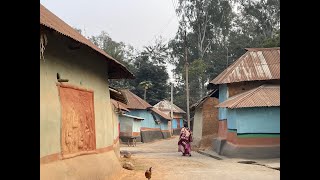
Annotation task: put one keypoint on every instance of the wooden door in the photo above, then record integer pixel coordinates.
(78, 123)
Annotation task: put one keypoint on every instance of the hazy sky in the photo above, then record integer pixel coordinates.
(134, 22)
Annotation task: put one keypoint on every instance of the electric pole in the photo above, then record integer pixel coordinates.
(187, 83)
(171, 108)
(227, 57)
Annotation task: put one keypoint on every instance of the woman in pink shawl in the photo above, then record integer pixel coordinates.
(184, 141)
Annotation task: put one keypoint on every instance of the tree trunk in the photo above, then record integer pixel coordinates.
(145, 94)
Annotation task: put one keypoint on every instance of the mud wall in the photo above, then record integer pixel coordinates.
(84, 70)
(210, 117)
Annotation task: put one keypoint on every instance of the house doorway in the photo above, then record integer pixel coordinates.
(78, 123)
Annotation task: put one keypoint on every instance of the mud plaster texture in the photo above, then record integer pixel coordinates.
(94, 167)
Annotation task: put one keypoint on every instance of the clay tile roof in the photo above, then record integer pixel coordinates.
(255, 64)
(165, 105)
(262, 96)
(49, 20)
(134, 101)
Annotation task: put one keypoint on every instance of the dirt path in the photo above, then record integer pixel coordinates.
(168, 164)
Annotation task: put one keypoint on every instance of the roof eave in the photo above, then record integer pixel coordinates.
(125, 73)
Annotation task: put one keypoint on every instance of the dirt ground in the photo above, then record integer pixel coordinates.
(168, 164)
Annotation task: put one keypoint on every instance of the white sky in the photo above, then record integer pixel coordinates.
(134, 22)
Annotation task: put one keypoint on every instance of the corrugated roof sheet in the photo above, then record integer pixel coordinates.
(165, 116)
(165, 105)
(195, 105)
(48, 19)
(134, 101)
(117, 95)
(262, 96)
(119, 105)
(255, 64)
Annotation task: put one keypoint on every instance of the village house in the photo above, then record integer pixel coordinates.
(177, 120)
(79, 138)
(154, 124)
(249, 108)
(130, 125)
(205, 120)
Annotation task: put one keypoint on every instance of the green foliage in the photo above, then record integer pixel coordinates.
(148, 67)
(113, 48)
(274, 41)
(154, 74)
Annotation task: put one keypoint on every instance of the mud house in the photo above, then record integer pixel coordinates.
(155, 123)
(249, 105)
(205, 120)
(177, 121)
(78, 135)
(128, 126)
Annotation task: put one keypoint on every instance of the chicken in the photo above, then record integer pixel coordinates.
(148, 173)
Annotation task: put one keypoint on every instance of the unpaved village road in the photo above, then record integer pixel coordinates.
(168, 164)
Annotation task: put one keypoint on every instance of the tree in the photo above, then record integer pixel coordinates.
(147, 71)
(208, 25)
(146, 85)
(148, 66)
(113, 48)
(263, 15)
(157, 53)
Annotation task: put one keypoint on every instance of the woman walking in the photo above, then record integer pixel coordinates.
(184, 141)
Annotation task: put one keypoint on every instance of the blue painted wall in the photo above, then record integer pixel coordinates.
(231, 118)
(223, 95)
(164, 122)
(148, 118)
(257, 120)
(175, 124)
(181, 122)
(136, 125)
